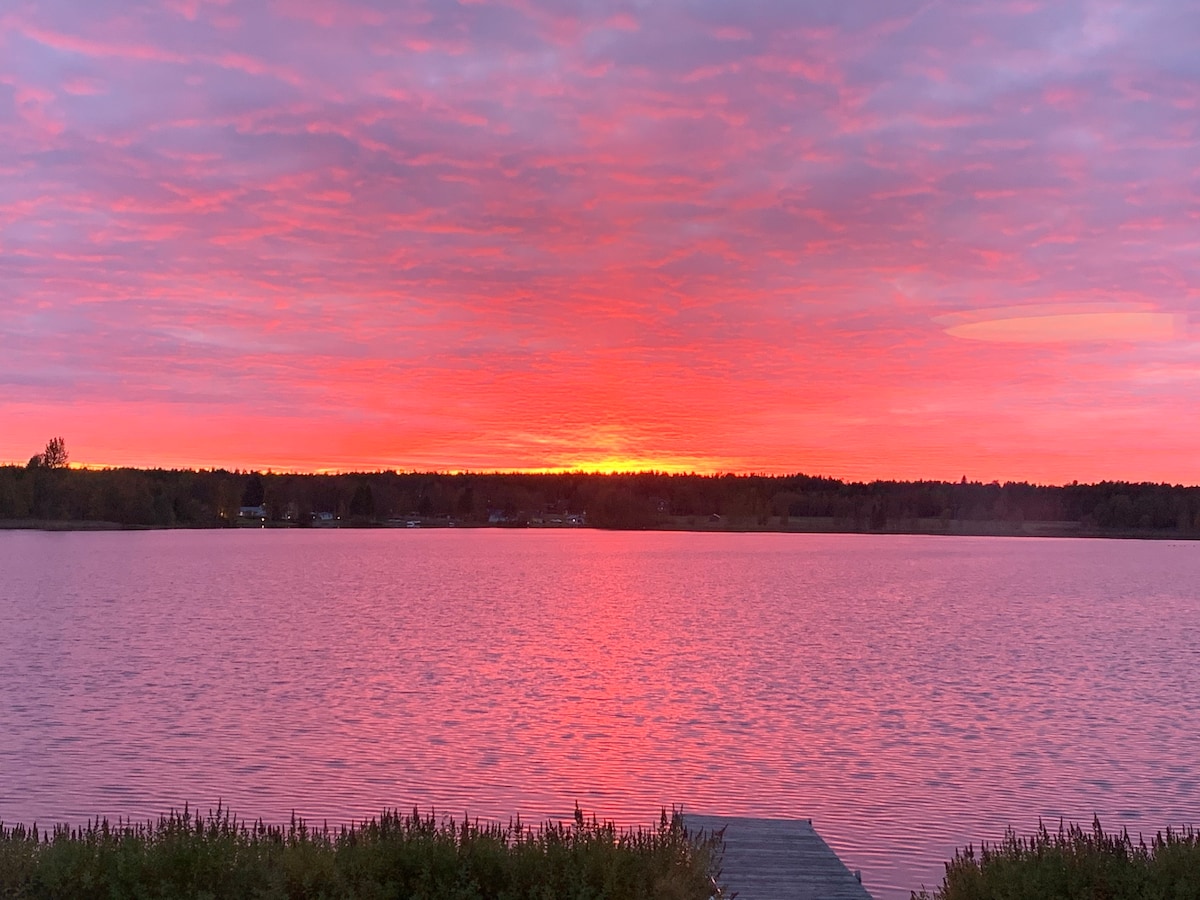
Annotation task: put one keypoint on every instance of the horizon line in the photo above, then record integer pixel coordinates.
(604, 473)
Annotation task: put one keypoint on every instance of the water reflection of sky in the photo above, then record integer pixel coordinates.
(909, 694)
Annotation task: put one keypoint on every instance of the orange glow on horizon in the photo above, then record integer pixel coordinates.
(624, 465)
(557, 243)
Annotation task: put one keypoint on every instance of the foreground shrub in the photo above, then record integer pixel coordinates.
(1075, 864)
(183, 855)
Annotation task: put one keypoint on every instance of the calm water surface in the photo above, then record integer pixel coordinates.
(909, 694)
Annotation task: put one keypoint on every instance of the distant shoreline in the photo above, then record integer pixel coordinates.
(71, 525)
(77, 499)
(812, 525)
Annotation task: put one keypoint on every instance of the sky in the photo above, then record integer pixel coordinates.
(864, 240)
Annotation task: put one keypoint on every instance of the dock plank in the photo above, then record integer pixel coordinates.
(779, 859)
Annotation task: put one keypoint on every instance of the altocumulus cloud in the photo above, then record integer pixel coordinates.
(912, 239)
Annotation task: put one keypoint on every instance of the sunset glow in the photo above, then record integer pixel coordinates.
(902, 240)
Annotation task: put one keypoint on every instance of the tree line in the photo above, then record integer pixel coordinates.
(218, 498)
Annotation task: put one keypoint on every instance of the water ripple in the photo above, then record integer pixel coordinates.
(909, 694)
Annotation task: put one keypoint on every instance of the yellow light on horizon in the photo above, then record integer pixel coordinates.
(626, 465)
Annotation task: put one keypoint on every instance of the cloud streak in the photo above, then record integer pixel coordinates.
(766, 237)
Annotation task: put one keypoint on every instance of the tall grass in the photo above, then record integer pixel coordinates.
(185, 855)
(1075, 864)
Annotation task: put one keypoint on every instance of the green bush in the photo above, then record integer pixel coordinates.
(415, 857)
(1075, 864)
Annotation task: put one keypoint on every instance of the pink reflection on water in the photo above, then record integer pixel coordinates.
(907, 694)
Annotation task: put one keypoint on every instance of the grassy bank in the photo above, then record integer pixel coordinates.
(1076, 864)
(183, 855)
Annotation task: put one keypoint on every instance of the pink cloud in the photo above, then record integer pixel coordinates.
(99, 48)
(84, 87)
(519, 234)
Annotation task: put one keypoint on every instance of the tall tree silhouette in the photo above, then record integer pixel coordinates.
(55, 456)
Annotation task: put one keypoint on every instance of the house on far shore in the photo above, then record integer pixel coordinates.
(253, 512)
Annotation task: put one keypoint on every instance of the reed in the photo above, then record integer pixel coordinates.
(1075, 863)
(185, 855)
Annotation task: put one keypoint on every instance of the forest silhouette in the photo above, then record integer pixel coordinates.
(46, 493)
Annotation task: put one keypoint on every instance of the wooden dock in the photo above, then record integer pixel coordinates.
(779, 859)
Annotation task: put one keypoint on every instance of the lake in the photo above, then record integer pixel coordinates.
(910, 694)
